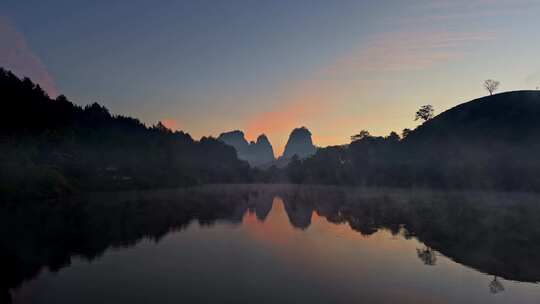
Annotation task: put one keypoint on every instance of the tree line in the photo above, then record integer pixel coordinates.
(489, 143)
(50, 147)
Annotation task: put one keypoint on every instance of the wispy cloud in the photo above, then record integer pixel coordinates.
(300, 105)
(314, 100)
(16, 55)
(408, 51)
(456, 10)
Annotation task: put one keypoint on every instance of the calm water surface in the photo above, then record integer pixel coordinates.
(274, 244)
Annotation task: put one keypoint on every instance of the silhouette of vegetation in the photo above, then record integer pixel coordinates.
(50, 147)
(427, 256)
(361, 135)
(405, 132)
(491, 86)
(497, 234)
(495, 286)
(487, 143)
(425, 113)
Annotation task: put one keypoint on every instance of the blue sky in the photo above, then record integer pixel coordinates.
(267, 66)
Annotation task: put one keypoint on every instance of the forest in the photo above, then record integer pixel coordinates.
(52, 147)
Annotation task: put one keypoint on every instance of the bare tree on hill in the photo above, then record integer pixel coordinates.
(491, 86)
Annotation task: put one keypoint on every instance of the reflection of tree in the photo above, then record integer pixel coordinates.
(362, 224)
(427, 256)
(495, 286)
(457, 227)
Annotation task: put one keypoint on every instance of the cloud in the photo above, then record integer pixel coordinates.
(300, 105)
(16, 55)
(320, 97)
(454, 10)
(408, 51)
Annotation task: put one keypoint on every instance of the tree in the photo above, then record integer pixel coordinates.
(393, 137)
(427, 256)
(363, 134)
(491, 85)
(425, 113)
(161, 127)
(495, 286)
(405, 132)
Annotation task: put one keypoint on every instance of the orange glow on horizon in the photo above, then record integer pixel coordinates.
(171, 123)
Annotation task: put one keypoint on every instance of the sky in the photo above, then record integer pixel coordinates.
(336, 67)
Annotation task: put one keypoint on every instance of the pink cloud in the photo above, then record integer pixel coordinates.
(318, 99)
(453, 10)
(16, 55)
(408, 51)
(299, 106)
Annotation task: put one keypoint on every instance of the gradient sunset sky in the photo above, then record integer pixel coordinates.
(336, 67)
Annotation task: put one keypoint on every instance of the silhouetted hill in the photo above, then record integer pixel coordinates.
(509, 118)
(488, 143)
(255, 153)
(299, 144)
(52, 146)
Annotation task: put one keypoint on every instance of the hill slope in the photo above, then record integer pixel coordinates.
(510, 118)
(488, 143)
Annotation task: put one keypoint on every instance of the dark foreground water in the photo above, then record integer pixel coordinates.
(273, 244)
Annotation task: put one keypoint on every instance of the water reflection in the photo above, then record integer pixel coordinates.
(496, 234)
(427, 256)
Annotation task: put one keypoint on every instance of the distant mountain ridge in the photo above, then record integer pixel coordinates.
(299, 144)
(261, 153)
(255, 153)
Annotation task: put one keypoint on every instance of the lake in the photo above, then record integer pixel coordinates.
(273, 244)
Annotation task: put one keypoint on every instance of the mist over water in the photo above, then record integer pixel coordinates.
(275, 244)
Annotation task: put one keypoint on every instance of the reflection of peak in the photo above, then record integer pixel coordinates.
(299, 214)
(262, 205)
(299, 144)
(255, 153)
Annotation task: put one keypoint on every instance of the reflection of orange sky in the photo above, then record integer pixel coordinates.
(336, 253)
(276, 231)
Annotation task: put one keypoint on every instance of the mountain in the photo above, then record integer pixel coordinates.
(237, 140)
(255, 153)
(263, 152)
(299, 144)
